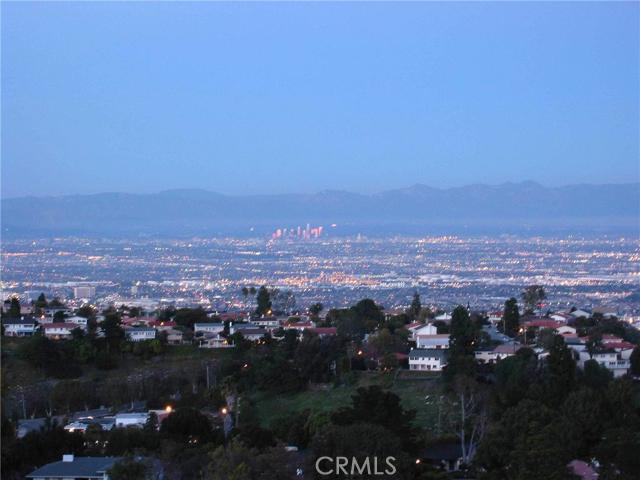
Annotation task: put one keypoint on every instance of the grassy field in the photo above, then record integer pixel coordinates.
(413, 391)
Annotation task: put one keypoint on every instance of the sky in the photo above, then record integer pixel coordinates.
(303, 97)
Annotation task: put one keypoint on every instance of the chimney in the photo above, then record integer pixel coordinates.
(67, 458)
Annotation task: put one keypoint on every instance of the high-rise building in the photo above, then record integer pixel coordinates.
(84, 292)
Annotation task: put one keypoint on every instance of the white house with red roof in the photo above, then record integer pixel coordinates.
(300, 326)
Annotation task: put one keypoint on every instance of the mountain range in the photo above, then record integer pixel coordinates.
(189, 211)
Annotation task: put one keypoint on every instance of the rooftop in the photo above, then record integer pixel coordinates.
(84, 467)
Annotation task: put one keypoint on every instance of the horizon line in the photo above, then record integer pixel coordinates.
(325, 190)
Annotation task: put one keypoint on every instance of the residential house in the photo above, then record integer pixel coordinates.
(139, 334)
(498, 353)
(79, 321)
(253, 334)
(608, 358)
(213, 340)
(580, 313)
(19, 327)
(138, 419)
(51, 311)
(431, 359)
(240, 326)
(440, 341)
(412, 327)
(561, 317)
(421, 329)
(566, 330)
(575, 343)
(106, 423)
(59, 331)
(75, 468)
(267, 322)
(209, 327)
(300, 326)
(174, 337)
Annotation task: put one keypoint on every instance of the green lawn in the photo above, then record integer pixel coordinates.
(412, 391)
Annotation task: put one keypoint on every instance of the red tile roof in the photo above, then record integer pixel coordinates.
(324, 330)
(543, 324)
(161, 323)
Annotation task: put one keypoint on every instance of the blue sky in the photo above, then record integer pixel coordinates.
(240, 98)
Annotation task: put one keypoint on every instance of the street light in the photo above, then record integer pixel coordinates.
(224, 410)
(168, 409)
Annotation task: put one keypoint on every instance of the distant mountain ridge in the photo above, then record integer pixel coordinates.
(198, 211)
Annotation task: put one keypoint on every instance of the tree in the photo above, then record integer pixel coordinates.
(187, 317)
(283, 301)
(263, 300)
(254, 436)
(41, 302)
(532, 296)
(86, 311)
(236, 461)
(560, 373)
(56, 303)
(380, 407)
(368, 313)
(315, 309)
(188, 425)
(514, 376)
(583, 417)
(14, 307)
(416, 306)
(596, 376)
(526, 442)
(594, 343)
(635, 361)
(469, 421)
(463, 333)
(510, 318)
(130, 468)
(463, 337)
(113, 333)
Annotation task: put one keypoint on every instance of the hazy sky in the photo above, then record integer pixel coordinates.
(300, 97)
